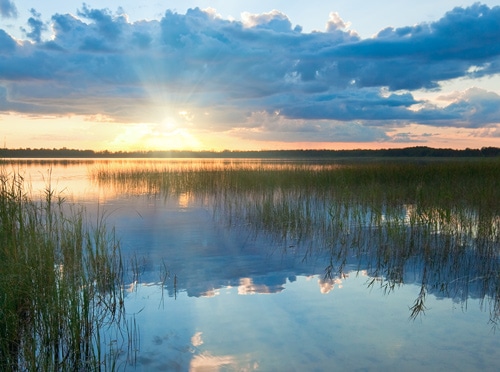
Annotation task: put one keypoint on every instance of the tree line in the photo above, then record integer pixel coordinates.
(417, 151)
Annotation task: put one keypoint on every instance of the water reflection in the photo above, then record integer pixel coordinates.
(302, 329)
(247, 286)
(327, 285)
(276, 270)
(401, 234)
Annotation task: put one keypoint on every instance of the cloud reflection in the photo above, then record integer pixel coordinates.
(208, 362)
(327, 285)
(247, 286)
(210, 293)
(205, 361)
(196, 339)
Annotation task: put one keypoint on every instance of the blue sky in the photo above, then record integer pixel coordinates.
(249, 75)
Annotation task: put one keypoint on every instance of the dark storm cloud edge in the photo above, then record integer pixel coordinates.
(98, 62)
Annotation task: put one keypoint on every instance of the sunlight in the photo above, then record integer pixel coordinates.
(167, 135)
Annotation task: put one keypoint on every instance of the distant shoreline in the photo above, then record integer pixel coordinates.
(418, 151)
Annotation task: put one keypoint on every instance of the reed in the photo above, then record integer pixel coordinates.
(60, 283)
(437, 218)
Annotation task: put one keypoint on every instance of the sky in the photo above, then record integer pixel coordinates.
(249, 75)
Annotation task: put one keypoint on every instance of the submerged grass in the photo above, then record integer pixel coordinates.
(60, 284)
(439, 219)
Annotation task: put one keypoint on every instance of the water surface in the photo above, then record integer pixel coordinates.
(211, 294)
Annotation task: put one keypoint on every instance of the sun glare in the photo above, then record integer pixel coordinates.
(165, 136)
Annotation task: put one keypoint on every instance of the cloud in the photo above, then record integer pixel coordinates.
(8, 9)
(7, 44)
(352, 104)
(407, 137)
(475, 108)
(7, 104)
(423, 55)
(36, 25)
(262, 126)
(274, 21)
(325, 85)
(335, 22)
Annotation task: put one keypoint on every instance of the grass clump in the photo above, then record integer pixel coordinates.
(60, 284)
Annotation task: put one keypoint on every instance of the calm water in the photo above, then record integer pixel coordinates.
(237, 300)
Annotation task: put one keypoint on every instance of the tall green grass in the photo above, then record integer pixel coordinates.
(60, 284)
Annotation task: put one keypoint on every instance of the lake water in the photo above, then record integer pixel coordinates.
(237, 300)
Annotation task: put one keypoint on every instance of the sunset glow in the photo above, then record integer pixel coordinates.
(213, 75)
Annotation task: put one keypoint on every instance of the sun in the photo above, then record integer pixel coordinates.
(167, 135)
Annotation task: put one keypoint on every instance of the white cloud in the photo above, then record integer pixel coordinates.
(336, 23)
(273, 20)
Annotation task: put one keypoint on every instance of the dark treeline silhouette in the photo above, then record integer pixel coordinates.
(418, 151)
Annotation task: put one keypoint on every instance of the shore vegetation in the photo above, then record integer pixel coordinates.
(61, 301)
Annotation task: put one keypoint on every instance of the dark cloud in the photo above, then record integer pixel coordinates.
(108, 26)
(352, 104)
(99, 63)
(36, 25)
(7, 103)
(141, 40)
(7, 44)
(425, 54)
(8, 9)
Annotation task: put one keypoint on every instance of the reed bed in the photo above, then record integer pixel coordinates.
(440, 219)
(60, 284)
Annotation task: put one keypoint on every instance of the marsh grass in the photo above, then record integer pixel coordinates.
(60, 284)
(438, 219)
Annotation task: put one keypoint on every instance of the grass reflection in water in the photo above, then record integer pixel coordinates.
(437, 222)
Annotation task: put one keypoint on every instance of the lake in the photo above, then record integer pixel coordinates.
(213, 285)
